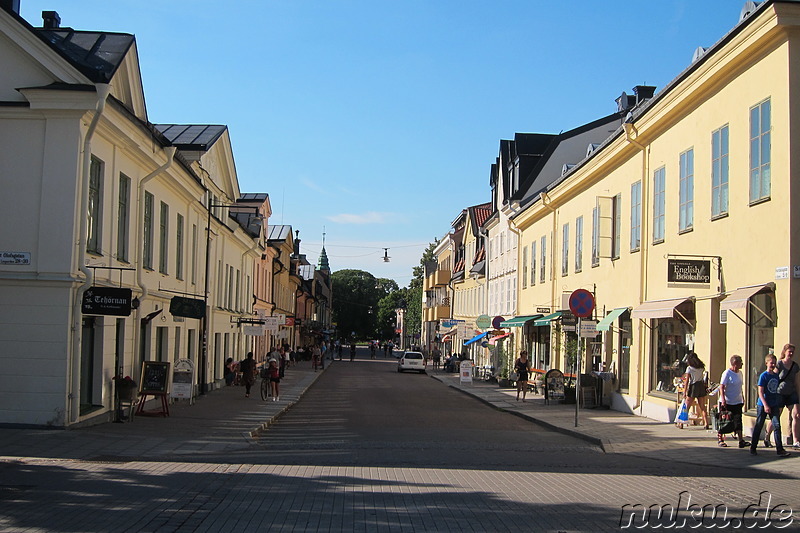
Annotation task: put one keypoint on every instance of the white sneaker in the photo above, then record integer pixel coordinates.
(279, 399)
(796, 445)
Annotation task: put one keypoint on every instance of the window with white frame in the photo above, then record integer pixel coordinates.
(524, 267)
(533, 263)
(595, 236)
(636, 216)
(579, 244)
(542, 267)
(686, 191)
(123, 217)
(616, 230)
(565, 249)
(194, 254)
(760, 151)
(659, 201)
(163, 261)
(147, 233)
(719, 172)
(179, 247)
(94, 214)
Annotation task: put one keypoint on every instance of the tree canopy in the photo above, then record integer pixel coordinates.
(355, 302)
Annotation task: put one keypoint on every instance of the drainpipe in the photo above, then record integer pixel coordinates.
(170, 153)
(547, 202)
(103, 90)
(630, 136)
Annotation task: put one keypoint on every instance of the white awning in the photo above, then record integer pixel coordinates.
(659, 308)
(605, 323)
(738, 299)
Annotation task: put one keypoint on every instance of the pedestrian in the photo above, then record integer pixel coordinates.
(316, 353)
(789, 375)
(522, 367)
(694, 385)
(282, 361)
(230, 371)
(371, 350)
(274, 376)
(385, 348)
(339, 350)
(352, 350)
(768, 405)
(437, 357)
(731, 399)
(248, 370)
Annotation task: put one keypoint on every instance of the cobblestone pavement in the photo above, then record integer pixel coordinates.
(159, 474)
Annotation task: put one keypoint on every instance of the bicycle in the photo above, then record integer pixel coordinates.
(265, 392)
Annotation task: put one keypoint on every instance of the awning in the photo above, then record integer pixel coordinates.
(545, 320)
(606, 322)
(738, 299)
(446, 338)
(476, 338)
(659, 308)
(517, 322)
(494, 340)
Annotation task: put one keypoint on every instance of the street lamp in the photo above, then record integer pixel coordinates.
(203, 363)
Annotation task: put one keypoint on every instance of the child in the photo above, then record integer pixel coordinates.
(274, 374)
(769, 404)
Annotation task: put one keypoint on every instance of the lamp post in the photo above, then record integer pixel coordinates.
(203, 363)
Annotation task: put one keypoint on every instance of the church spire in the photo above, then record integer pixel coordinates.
(323, 257)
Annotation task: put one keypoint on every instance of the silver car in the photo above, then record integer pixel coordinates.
(411, 361)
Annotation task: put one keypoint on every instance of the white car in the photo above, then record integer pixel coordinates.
(411, 361)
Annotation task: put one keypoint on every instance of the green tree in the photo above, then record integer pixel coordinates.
(387, 314)
(355, 304)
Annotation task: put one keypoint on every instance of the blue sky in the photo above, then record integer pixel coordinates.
(377, 121)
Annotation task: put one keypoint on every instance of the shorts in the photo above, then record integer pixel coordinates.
(697, 390)
(789, 400)
(274, 380)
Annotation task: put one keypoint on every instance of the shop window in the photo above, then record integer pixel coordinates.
(625, 339)
(761, 319)
(672, 341)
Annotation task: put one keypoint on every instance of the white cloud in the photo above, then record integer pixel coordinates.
(371, 217)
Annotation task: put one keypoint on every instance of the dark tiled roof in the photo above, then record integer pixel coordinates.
(191, 136)
(253, 197)
(95, 54)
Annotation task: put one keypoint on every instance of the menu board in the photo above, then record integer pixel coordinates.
(155, 376)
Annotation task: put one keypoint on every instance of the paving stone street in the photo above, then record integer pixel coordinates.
(324, 459)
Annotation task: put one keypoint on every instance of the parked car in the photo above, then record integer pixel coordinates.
(411, 361)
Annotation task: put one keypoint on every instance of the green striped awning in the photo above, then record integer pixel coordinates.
(545, 320)
(518, 321)
(605, 324)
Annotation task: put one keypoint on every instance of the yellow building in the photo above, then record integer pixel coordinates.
(680, 222)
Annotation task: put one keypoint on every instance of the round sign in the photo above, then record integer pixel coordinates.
(496, 321)
(483, 322)
(581, 303)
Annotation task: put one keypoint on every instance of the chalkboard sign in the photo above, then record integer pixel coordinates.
(154, 377)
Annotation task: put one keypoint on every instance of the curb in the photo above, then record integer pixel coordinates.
(602, 443)
(251, 435)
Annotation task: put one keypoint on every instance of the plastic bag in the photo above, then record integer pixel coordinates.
(682, 415)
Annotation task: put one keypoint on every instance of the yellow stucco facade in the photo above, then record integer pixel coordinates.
(698, 180)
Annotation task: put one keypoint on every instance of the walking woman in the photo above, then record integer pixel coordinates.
(522, 367)
(694, 384)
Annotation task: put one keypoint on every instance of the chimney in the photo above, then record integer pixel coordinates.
(12, 6)
(51, 20)
(644, 92)
(297, 242)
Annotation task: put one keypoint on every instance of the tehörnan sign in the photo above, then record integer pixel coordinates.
(107, 301)
(688, 271)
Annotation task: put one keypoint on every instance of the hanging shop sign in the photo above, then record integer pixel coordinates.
(187, 307)
(110, 301)
(689, 271)
(483, 322)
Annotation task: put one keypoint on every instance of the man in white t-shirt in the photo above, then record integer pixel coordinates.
(731, 399)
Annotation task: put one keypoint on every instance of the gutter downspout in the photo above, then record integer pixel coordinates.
(137, 334)
(73, 397)
(644, 250)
